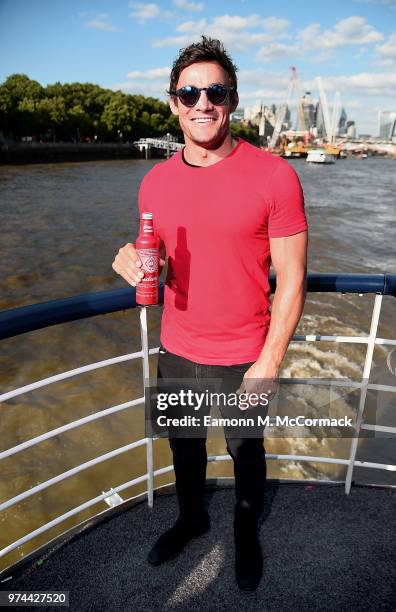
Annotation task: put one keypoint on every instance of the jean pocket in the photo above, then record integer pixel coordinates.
(240, 368)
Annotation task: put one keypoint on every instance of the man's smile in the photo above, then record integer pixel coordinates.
(203, 119)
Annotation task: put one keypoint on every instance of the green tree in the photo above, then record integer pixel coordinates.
(53, 115)
(19, 97)
(77, 110)
(118, 116)
(247, 132)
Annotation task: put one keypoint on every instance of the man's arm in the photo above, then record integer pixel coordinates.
(289, 258)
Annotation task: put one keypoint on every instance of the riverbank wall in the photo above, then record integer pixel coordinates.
(52, 152)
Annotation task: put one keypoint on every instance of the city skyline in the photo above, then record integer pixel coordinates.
(131, 46)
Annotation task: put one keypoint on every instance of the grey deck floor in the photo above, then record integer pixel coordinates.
(322, 550)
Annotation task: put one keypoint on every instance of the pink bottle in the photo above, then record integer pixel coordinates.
(147, 249)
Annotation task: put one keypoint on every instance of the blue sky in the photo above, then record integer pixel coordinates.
(126, 45)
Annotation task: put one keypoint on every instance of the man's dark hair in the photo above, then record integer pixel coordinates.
(208, 50)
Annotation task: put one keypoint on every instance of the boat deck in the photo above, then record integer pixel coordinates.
(323, 550)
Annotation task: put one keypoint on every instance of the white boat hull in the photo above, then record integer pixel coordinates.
(320, 157)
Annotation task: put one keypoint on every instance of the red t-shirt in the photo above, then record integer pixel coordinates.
(216, 222)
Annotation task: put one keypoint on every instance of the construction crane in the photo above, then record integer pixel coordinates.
(330, 123)
(335, 117)
(325, 109)
(282, 109)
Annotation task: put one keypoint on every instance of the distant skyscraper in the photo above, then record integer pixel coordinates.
(308, 109)
(387, 124)
(350, 129)
(253, 112)
(342, 122)
(319, 120)
(287, 121)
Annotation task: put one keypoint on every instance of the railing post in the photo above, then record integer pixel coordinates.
(146, 382)
(363, 390)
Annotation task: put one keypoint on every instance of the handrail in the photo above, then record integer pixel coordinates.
(24, 319)
(28, 318)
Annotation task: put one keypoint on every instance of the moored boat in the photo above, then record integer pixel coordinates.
(320, 156)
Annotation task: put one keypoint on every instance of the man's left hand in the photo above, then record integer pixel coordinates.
(260, 379)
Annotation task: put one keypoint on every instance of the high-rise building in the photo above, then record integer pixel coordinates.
(252, 113)
(350, 129)
(308, 109)
(342, 122)
(319, 120)
(287, 120)
(387, 125)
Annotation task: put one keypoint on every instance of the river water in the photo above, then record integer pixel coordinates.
(61, 227)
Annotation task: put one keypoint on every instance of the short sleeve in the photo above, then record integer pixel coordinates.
(286, 211)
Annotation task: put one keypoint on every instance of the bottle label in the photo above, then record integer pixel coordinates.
(147, 227)
(148, 286)
(149, 259)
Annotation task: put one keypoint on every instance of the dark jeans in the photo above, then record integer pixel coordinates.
(189, 453)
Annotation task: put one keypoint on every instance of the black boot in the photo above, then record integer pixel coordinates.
(172, 542)
(248, 555)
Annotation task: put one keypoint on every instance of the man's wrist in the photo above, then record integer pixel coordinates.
(269, 368)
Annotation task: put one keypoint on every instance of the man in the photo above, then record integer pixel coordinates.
(223, 210)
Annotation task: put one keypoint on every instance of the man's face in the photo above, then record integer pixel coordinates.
(208, 134)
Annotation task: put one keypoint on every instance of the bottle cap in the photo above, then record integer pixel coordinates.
(147, 215)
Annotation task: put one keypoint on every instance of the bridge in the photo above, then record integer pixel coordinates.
(167, 143)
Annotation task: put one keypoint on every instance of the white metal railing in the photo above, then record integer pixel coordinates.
(371, 340)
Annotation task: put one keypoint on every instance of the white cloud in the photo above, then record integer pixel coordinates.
(168, 15)
(318, 45)
(175, 41)
(309, 34)
(192, 26)
(146, 88)
(232, 30)
(240, 33)
(153, 82)
(351, 104)
(144, 11)
(152, 74)
(235, 22)
(275, 51)
(381, 84)
(390, 3)
(387, 52)
(233, 41)
(189, 6)
(350, 31)
(100, 23)
(275, 24)
(260, 75)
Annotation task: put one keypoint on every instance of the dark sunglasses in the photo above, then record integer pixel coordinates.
(189, 94)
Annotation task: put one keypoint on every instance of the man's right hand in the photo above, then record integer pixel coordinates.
(128, 265)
